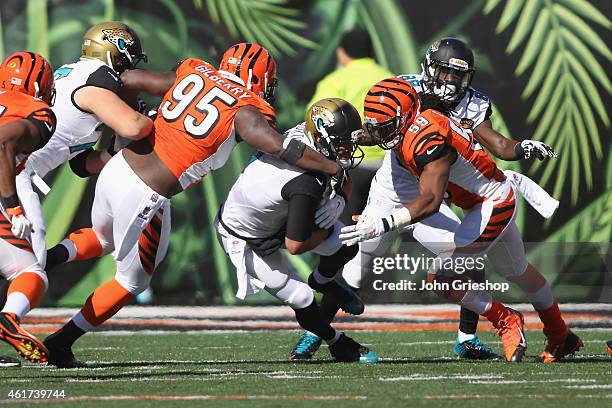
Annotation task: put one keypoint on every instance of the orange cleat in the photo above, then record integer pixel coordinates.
(557, 348)
(609, 347)
(27, 345)
(510, 329)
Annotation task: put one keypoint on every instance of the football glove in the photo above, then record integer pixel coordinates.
(329, 211)
(21, 226)
(366, 228)
(528, 147)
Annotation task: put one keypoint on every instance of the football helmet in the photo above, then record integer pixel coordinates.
(390, 107)
(334, 126)
(115, 44)
(448, 69)
(29, 73)
(254, 65)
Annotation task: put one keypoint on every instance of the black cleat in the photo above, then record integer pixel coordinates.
(6, 361)
(348, 350)
(343, 294)
(61, 355)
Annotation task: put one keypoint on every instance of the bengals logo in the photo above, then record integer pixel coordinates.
(119, 38)
(466, 123)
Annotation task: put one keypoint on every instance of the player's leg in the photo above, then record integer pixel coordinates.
(284, 283)
(435, 233)
(27, 285)
(332, 258)
(508, 258)
(30, 202)
(481, 227)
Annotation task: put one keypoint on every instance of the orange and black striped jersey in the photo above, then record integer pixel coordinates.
(474, 176)
(17, 106)
(194, 130)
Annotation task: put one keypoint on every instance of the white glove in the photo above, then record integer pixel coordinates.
(366, 228)
(329, 211)
(21, 226)
(541, 150)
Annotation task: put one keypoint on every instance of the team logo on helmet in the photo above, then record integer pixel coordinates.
(434, 47)
(322, 118)
(119, 38)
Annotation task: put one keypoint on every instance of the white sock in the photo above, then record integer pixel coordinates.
(320, 278)
(335, 338)
(461, 336)
(477, 301)
(81, 322)
(72, 252)
(18, 304)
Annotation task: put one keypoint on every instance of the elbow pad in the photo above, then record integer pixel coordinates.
(293, 151)
(78, 164)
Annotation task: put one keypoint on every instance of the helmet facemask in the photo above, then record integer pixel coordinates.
(389, 133)
(344, 152)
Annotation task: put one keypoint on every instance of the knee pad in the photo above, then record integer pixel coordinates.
(296, 294)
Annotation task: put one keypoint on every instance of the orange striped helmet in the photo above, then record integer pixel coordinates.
(254, 65)
(29, 73)
(389, 108)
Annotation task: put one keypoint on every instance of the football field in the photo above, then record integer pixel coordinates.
(190, 366)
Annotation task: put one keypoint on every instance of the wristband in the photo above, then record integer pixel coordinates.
(293, 151)
(10, 202)
(397, 220)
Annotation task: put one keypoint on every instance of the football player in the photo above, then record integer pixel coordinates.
(273, 204)
(444, 85)
(203, 115)
(444, 157)
(448, 69)
(88, 97)
(26, 124)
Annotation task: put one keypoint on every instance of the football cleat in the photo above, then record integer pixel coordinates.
(6, 361)
(474, 349)
(609, 347)
(27, 345)
(60, 355)
(557, 349)
(348, 350)
(307, 345)
(510, 329)
(345, 296)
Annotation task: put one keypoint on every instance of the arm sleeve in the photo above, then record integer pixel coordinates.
(304, 194)
(105, 77)
(45, 122)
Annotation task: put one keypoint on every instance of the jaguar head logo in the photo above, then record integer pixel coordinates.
(119, 38)
(322, 118)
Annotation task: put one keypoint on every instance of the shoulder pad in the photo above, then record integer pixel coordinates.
(105, 77)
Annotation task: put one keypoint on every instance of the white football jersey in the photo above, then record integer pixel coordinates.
(471, 111)
(255, 207)
(77, 130)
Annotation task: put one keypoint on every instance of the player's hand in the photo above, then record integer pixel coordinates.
(329, 211)
(338, 181)
(539, 149)
(366, 228)
(21, 226)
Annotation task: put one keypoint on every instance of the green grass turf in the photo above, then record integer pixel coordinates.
(413, 372)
